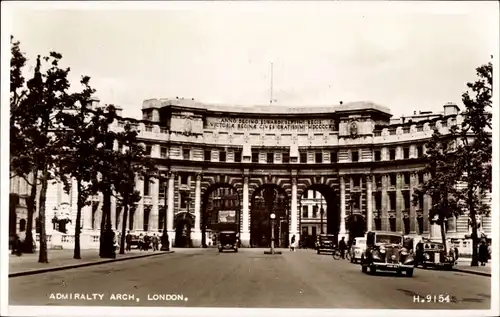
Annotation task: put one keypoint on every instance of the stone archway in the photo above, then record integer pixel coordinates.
(183, 224)
(356, 226)
(266, 199)
(331, 214)
(230, 202)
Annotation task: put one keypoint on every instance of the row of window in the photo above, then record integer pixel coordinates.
(356, 179)
(420, 127)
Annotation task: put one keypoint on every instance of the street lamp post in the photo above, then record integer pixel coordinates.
(273, 216)
(164, 238)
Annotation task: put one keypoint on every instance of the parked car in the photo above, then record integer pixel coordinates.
(433, 254)
(228, 240)
(358, 247)
(135, 240)
(325, 243)
(385, 251)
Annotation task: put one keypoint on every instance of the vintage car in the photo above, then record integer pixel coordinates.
(228, 240)
(432, 254)
(358, 247)
(385, 251)
(325, 243)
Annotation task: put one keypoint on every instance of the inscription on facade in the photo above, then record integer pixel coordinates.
(246, 124)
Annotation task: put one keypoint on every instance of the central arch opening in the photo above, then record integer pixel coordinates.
(319, 213)
(267, 199)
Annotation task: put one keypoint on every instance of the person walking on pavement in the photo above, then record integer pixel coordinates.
(483, 253)
(342, 247)
(128, 240)
(155, 242)
(292, 244)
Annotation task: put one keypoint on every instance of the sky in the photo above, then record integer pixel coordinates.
(408, 59)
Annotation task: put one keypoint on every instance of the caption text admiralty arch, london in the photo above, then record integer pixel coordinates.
(364, 163)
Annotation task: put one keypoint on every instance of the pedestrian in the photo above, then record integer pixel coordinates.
(483, 253)
(455, 249)
(128, 240)
(155, 242)
(141, 242)
(16, 246)
(292, 244)
(342, 247)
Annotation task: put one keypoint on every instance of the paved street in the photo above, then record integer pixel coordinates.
(204, 277)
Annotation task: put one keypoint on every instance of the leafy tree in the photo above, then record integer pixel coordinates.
(36, 121)
(132, 162)
(441, 166)
(22, 158)
(475, 152)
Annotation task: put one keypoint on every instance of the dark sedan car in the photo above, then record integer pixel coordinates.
(325, 243)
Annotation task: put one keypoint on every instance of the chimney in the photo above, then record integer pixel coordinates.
(450, 108)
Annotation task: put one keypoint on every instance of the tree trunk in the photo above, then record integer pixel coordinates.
(472, 215)
(30, 204)
(42, 257)
(106, 250)
(103, 227)
(443, 237)
(80, 203)
(124, 226)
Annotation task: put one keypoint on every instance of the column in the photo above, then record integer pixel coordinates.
(196, 234)
(413, 215)
(245, 231)
(342, 231)
(399, 201)
(369, 206)
(153, 217)
(139, 213)
(170, 208)
(294, 223)
(385, 199)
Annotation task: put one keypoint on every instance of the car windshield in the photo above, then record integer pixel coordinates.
(387, 238)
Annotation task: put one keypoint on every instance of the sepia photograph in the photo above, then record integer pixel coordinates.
(249, 158)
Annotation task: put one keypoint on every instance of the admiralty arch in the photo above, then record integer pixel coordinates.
(364, 162)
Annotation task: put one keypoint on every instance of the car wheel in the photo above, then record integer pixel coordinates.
(318, 251)
(409, 272)
(236, 250)
(364, 269)
(399, 272)
(220, 250)
(424, 266)
(373, 269)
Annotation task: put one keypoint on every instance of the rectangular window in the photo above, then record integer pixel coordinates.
(444, 123)
(378, 201)
(285, 157)
(392, 200)
(162, 188)
(306, 194)
(186, 153)
(420, 178)
(148, 149)
(378, 181)
(378, 155)
(355, 156)
(163, 151)
(207, 155)
(304, 212)
(406, 196)
(406, 152)
(392, 179)
(406, 130)
(222, 156)
(333, 157)
(184, 179)
(270, 158)
(237, 156)
(313, 231)
(406, 177)
(303, 157)
(356, 181)
(420, 151)
(392, 154)
(315, 211)
(255, 157)
(184, 200)
(319, 157)
(149, 128)
(420, 128)
(392, 131)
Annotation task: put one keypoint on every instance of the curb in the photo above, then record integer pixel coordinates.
(472, 272)
(73, 266)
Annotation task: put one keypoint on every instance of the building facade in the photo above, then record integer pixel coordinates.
(362, 162)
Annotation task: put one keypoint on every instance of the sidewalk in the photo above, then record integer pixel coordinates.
(28, 264)
(463, 265)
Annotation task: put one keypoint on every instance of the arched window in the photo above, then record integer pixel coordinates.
(392, 223)
(22, 225)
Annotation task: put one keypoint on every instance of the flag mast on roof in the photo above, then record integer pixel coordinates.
(271, 100)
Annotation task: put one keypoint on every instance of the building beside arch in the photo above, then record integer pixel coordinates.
(364, 163)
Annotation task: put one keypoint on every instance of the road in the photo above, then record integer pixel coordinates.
(249, 278)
